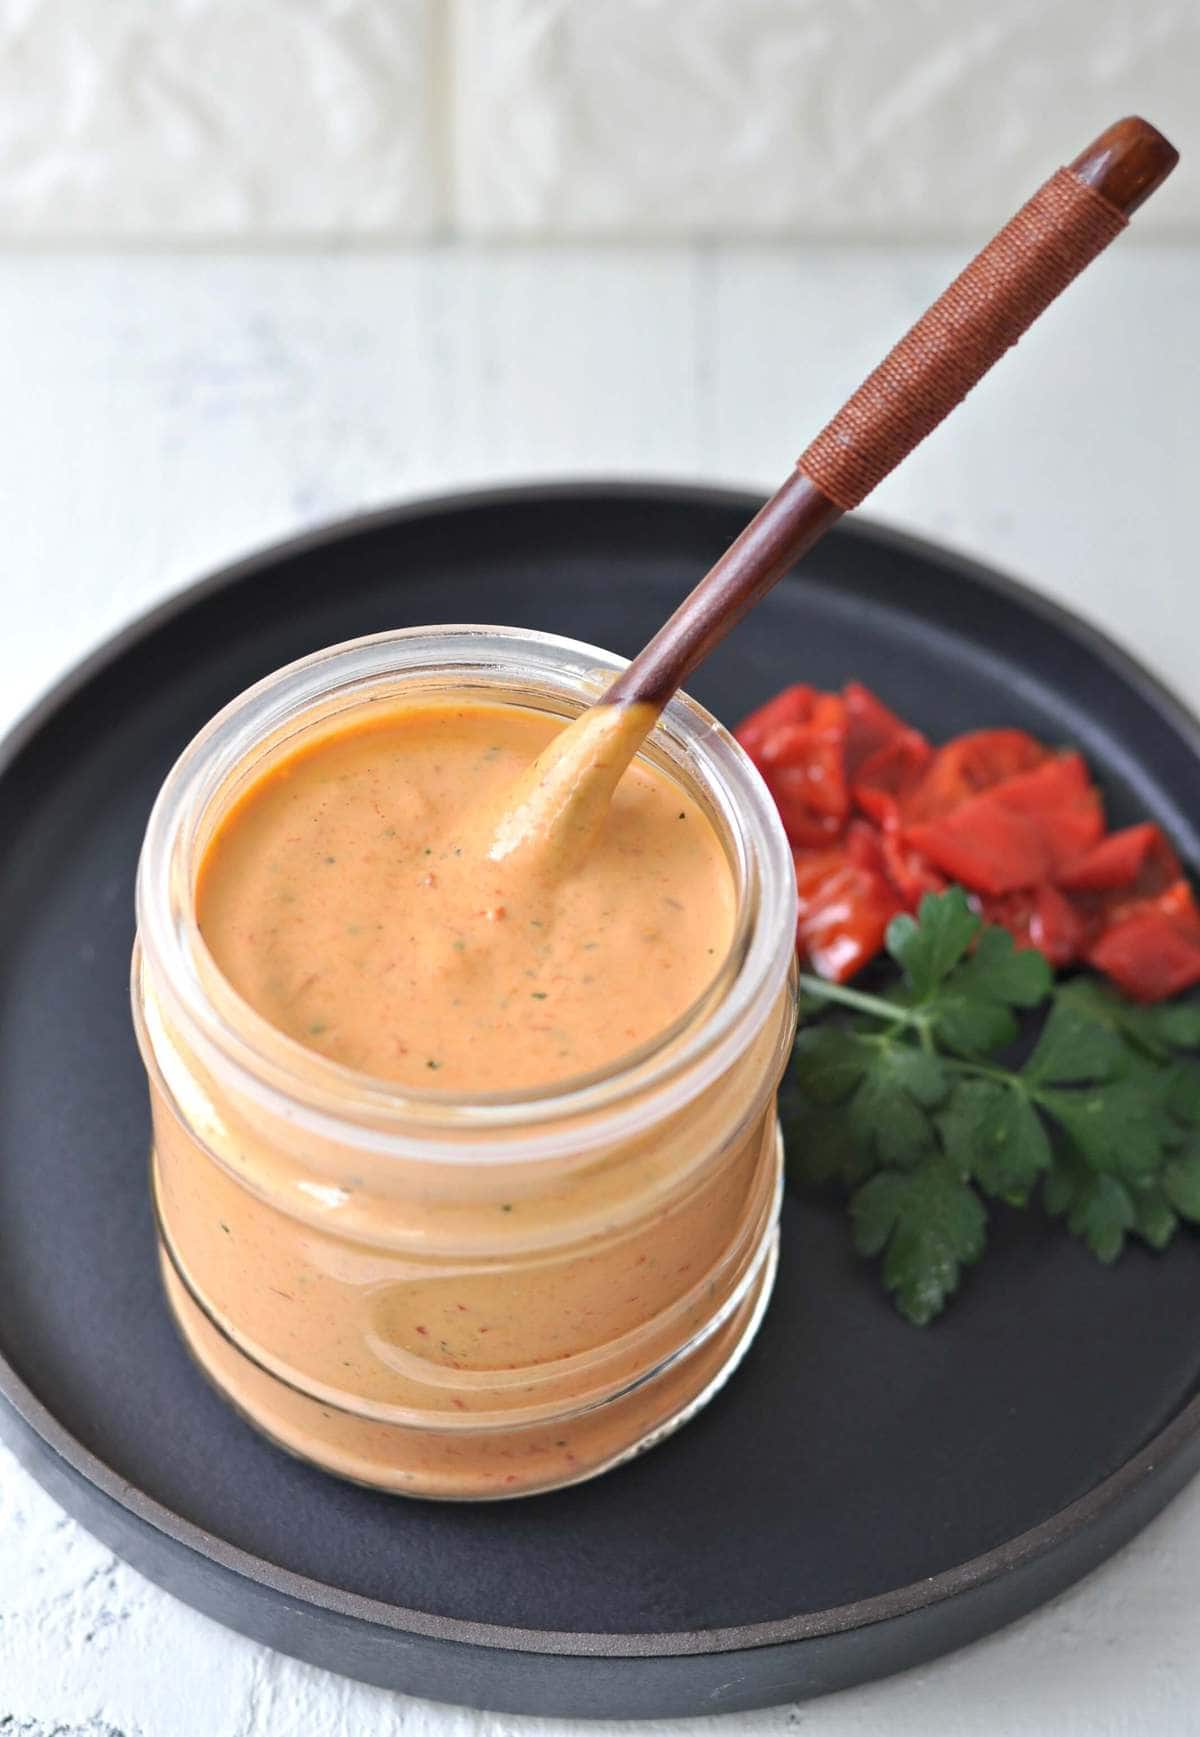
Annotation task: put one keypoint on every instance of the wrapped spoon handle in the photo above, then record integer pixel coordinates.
(1043, 248)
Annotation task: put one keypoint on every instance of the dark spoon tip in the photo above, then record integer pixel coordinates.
(1127, 163)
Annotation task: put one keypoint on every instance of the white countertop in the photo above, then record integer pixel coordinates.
(163, 414)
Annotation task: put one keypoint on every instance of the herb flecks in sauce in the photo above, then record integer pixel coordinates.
(409, 958)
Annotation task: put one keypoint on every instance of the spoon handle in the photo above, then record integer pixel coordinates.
(1058, 232)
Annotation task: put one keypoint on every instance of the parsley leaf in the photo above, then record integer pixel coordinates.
(993, 1133)
(886, 1088)
(1100, 1210)
(820, 1146)
(1156, 1220)
(926, 951)
(828, 1062)
(974, 1025)
(1178, 1024)
(1183, 1093)
(1115, 1128)
(998, 968)
(1181, 1181)
(888, 1122)
(973, 1008)
(1101, 1213)
(1074, 1049)
(1136, 1026)
(907, 1101)
(928, 1223)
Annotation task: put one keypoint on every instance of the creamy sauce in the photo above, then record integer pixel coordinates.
(375, 897)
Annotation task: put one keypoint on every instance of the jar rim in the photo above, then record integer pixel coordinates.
(298, 1082)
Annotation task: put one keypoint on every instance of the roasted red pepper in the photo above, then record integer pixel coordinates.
(817, 748)
(912, 874)
(870, 725)
(792, 706)
(1060, 796)
(877, 818)
(845, 908)
(985, 846)
(804, 765)
(1019, 832)
(1135, 863)
(1040, 917)
(1152, 949)
(889, 776)
(968, 765)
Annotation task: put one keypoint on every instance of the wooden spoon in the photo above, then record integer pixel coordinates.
(560, 802)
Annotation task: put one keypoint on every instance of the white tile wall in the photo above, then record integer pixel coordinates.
(217, 120)
(211, 119)
(862, 118)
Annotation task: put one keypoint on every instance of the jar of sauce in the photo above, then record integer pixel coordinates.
(459, 1280)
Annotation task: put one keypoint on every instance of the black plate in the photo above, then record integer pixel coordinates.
(863, 1495)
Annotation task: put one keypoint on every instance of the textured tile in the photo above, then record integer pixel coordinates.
(802, 117)
(209, 119)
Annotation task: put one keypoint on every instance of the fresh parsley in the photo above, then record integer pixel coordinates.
(923, 1103)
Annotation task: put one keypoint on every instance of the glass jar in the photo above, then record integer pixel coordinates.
(437, 1294)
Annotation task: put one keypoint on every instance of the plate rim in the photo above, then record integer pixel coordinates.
(22, 1411)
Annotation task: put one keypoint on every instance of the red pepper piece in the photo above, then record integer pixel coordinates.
(986, 846)
(1039, 917)
(1056, 929)
(863, 847)
(806, 830)
(889, 776)
(1136, 859)
(870, 725)
(968, 765)
(793, 706)
(804, 768)
(910, 873)
(1042, 789)
(1020, 831)
(818, 749)
(1120, 874)
(845, 909)
(1153, 950)
(1060, 794)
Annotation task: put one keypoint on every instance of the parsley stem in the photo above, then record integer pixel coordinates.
(901, 1018)
(980, 1070)
(872, 1004)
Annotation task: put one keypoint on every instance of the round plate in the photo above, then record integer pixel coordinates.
(863, 1495)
